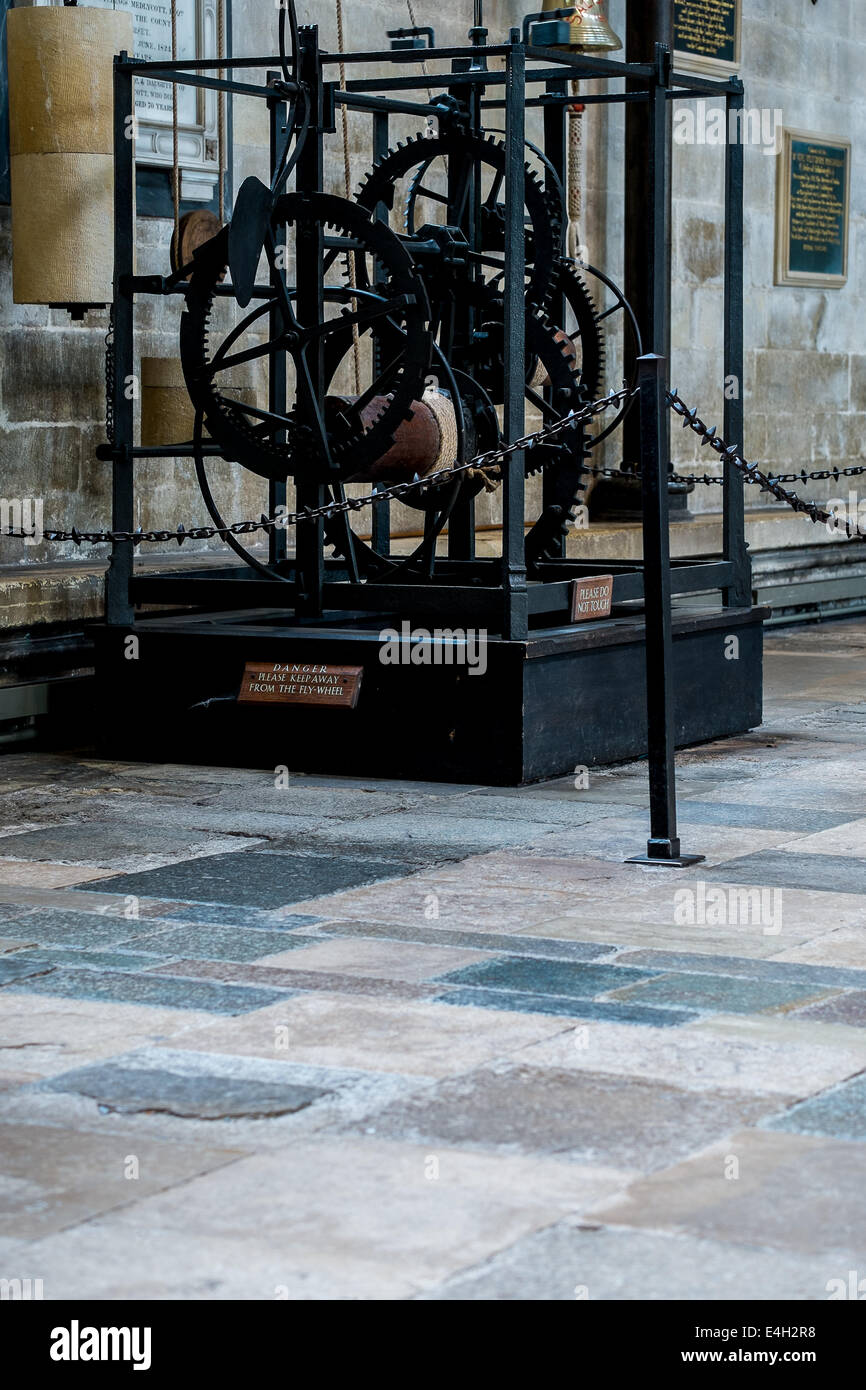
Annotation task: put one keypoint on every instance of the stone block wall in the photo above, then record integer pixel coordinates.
(805, 377)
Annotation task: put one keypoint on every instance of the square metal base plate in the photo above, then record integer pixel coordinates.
(679, 861)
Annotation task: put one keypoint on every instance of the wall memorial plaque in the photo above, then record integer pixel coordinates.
(707, 37)
(591, 597)
(196, 31)
(300, 683)
(812, 200)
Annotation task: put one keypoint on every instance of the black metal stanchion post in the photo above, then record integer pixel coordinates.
(277, 397)
(380, 521)
(663, 846)
(309, 308)
(516, 614)
(118, 608)
(734, 547)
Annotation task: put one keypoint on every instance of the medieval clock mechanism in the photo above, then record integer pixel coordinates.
(432, 344)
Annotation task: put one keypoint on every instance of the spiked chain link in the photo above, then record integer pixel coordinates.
(492, 460)
(482, 463)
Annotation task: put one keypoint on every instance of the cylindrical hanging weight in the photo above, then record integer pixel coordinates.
(61, 139)
(167, 413)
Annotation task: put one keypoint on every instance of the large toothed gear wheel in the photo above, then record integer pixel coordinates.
(388, 305)
(465, 154)
(587, 334)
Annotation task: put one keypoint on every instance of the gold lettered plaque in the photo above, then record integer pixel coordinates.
(300, 683)
(812, 201)
(591, 597)
(707, 37)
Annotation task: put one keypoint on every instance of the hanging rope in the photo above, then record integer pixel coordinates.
(414, 23)
(221, 113)
(175, 161)
(347, 188)
(575, 163)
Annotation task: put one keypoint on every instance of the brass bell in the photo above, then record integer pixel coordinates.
(589, 31)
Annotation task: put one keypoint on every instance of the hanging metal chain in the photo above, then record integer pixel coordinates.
(752, 473)
(484, 464)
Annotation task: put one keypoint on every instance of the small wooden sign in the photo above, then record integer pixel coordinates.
(300, 683)
(591, 597)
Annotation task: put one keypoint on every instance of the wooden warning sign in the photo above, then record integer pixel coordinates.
(591, 597)
(300, 683)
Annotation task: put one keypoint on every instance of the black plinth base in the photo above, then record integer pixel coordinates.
(563, 700)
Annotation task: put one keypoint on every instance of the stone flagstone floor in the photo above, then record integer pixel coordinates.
(353, 1039)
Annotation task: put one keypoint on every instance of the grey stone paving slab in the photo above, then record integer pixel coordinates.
(219, 943)
(781, 788)
(410, 961)
(574, 980)
(801, 819)
(453, 834)
(124, 988)
(547, 947)
(565, 808)
(301, 802)
(792, 1192)
(54, 1178)
(566, 1262)
(57, 1034)
(95, 843)
(283, 978)
(233, 915)
(721, 993)
(306, 1222)
(590, 1117)
(837, 1114)
(257, 880)
(376, 1034)
(760, 1053)
(692, 963)
(129, 1089)
(47, 926)
(95, 960)
(379, 786)
(408, 855)
(482, 908)
(844, 948)
(847, 1008)
(826, 873)
(570, 1008)
(18, 967)
(206, 1081)
(11, 912)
